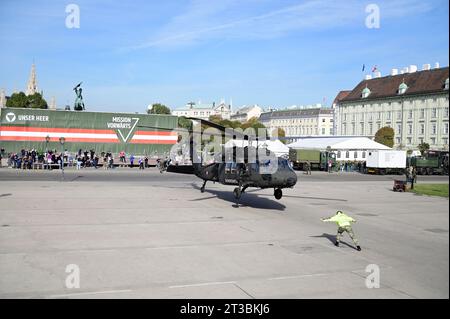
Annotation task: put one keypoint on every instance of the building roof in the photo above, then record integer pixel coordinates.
(338, 143)
(341, 95)
(420, 82)
(295, 113)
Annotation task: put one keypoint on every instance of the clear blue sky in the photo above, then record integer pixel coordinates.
(274, 53)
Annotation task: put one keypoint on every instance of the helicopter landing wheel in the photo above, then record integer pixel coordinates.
(237, 193)
(278, 193)
(202, 189)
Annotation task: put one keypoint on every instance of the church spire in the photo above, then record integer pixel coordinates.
(32, 82)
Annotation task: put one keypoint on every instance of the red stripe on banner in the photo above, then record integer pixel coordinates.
(54, 130)
(77, 130)
(56, 139)
(152, 142)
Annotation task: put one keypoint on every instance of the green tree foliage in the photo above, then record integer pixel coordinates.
(36, 101)
(158, 108)
(281, 134)
(385, 136)
(21, 100)
(183, 122)
(256, 125)
(423, 148)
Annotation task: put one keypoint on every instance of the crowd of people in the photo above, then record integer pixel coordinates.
(50, 159)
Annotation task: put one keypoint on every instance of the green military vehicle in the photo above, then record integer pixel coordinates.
(317, 159)
(432, 163)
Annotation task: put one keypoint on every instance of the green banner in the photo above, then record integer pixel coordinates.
(139, 134)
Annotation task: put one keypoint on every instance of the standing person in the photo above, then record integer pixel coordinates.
(105, 161)
(95, 161)
(308, 167)
(344, 223)
(141, 163)
(79, 161)
(131, 160)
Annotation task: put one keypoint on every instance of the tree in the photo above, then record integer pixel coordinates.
(183, 122)
(17, 100)
(423, 148)
(21, 100)
(36, 101)
(281, 134)
(385, 136)
(158, 108)
(255, 124)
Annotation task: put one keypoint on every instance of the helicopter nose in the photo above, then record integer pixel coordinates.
(291, 180)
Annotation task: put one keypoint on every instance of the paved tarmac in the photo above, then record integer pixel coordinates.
(149, 235)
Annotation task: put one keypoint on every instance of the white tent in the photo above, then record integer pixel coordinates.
(338, 143)
(275, 146)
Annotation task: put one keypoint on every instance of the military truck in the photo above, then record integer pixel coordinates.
(318, 159)
(386, 162)
(431, 163)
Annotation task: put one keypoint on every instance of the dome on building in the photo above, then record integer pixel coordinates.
(402, 88)
(366, 92)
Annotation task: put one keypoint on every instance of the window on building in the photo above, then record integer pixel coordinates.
(422, 113)
(339, 154)
(410, 114)
(347, 154)
(355, 154)
(445, 128)
(420, 140)
(370, 128)
(398, 140)
(399, 115)
(331, 131)
(388, 115)
(323, 131)
(422, 129)
(323, 120)
(364, 154)
(433, 128)
(446, 112)
(409, 140)
(379, 116)
(445, 141)
(362, 128)
(433, 140)
(410, 128)
(434, 112)
(353, 129)
(399, 128)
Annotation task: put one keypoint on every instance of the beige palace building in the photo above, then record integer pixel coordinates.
(414, 103)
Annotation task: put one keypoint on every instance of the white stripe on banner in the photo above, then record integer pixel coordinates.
(155, 137)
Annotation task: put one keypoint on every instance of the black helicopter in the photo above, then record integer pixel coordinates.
(232, 169)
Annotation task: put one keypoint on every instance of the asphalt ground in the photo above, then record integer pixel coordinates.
(142, 234)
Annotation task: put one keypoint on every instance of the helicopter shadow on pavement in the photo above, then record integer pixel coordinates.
(332, 239)
(247, 199)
